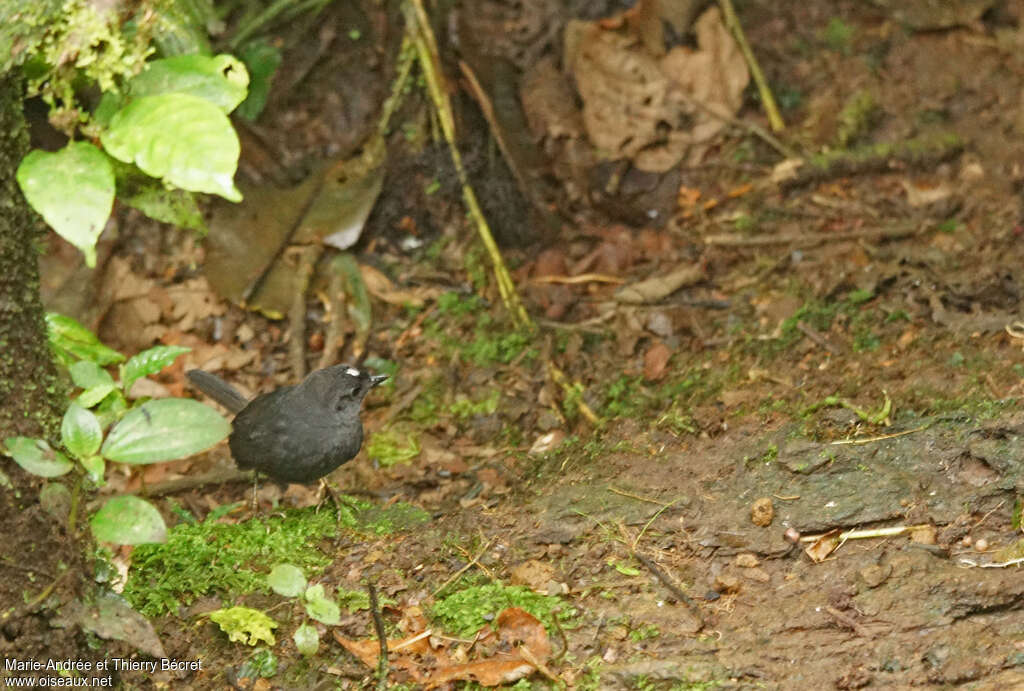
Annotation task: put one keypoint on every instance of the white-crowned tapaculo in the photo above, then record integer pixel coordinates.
(296, 433)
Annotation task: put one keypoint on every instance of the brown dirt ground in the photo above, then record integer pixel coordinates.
(735, 416)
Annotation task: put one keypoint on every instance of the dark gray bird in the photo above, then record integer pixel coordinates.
(295, 433)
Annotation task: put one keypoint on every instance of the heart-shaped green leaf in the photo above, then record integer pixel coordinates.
(73, 189)
(306, 639)
(320, 608)
(287, 580)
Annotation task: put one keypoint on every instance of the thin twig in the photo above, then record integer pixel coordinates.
(770, 108)
(816, 337)
(662, 504)
(985, 517)
(849, 622)
(464, 568)
(883, 437)
(18, 612)
(673, 588)
(992, 565)
(378, 624)
(559, 378)
(865, 534)
(809, 239)
(753, 128)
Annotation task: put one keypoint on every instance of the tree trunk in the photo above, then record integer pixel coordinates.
(30, 392)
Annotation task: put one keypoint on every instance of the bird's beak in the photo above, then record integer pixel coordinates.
(376, 379)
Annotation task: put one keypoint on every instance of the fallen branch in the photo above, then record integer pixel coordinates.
(809, 239)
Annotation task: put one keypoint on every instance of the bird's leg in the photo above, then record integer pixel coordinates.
(255, 496)
(325, 489)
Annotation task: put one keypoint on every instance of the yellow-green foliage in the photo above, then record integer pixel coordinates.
(245, 625)
(87, 42)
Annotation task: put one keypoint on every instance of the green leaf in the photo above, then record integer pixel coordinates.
(306, 639)
(287, 580)
(96, 381)
(95, 394)
(73, 189)
(128, 520)
(36, 456)
(183, 139)
(181, 28)
(110, 103)
(80, 431)
(156, 200)
(174, 206)
(86, 374)
(262, 59)
(320, 608)
(111, 409)
(71, 341)
(95, 468)
(165, 430)
(148, 362)
(245, 624)
(220, 79)
(625, 569)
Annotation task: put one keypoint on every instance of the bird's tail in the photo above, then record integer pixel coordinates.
(218, 389)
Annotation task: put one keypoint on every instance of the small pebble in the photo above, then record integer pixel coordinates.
(762, 512)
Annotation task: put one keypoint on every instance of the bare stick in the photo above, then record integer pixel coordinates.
(770, 108)
(378, 624)
(672, 587)
(816, 337)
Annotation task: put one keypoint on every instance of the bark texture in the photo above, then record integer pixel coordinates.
(30, 392)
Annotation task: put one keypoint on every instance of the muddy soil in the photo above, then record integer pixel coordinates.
(849, 382)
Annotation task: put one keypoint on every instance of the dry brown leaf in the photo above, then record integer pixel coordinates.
(520, 639)
(382, 288)
(523, 647)
(655, 360)
(630, 93)
(532, 573)
(191, 301)
(819, 550)
(659, 287)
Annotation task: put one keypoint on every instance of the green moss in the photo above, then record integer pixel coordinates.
(463, 613)
(643, 633)
(489, 343)
(233, 559)
(837, 35)
(464, 408)
(393, 518)
(856, 118)
(203, 558)
(395, 444)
